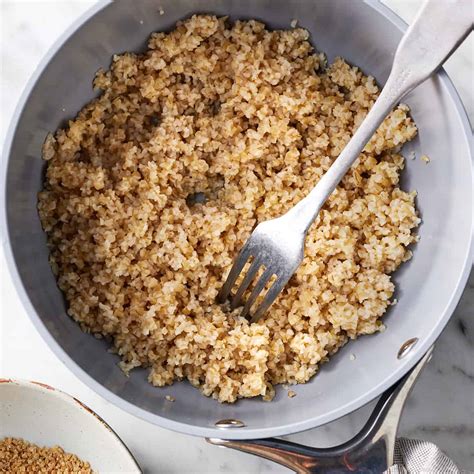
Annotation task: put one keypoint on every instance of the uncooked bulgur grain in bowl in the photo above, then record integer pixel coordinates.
(18, 456)
(154, 187)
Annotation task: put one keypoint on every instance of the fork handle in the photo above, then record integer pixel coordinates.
(438, 29)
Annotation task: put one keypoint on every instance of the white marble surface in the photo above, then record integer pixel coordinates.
(441, 408)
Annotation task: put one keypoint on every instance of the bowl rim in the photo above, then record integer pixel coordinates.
(77, 404)
(211, 432)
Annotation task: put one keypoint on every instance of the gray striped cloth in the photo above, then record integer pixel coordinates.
(413, 456)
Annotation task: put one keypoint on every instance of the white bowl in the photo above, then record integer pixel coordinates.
(45, 416)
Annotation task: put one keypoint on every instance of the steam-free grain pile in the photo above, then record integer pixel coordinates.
(18, 456)
(152, 190)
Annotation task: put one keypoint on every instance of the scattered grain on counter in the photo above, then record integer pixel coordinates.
(425, 158)
(294, 23)
(250, 119)
(19, 456)
(170, 398)
(291, 394)
(161, 11)
(352, 357)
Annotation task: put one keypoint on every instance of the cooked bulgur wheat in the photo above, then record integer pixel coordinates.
(18, 456)
(248, 119)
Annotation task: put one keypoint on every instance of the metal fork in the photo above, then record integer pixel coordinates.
(278, 244)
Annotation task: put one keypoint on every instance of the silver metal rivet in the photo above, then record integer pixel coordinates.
(407, 347)
(230, 423)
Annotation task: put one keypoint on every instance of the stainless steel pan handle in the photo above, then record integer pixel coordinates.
(371, 450)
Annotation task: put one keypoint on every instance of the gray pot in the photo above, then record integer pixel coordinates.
(429, 286)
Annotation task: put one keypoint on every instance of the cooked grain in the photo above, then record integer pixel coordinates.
(250, 119)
